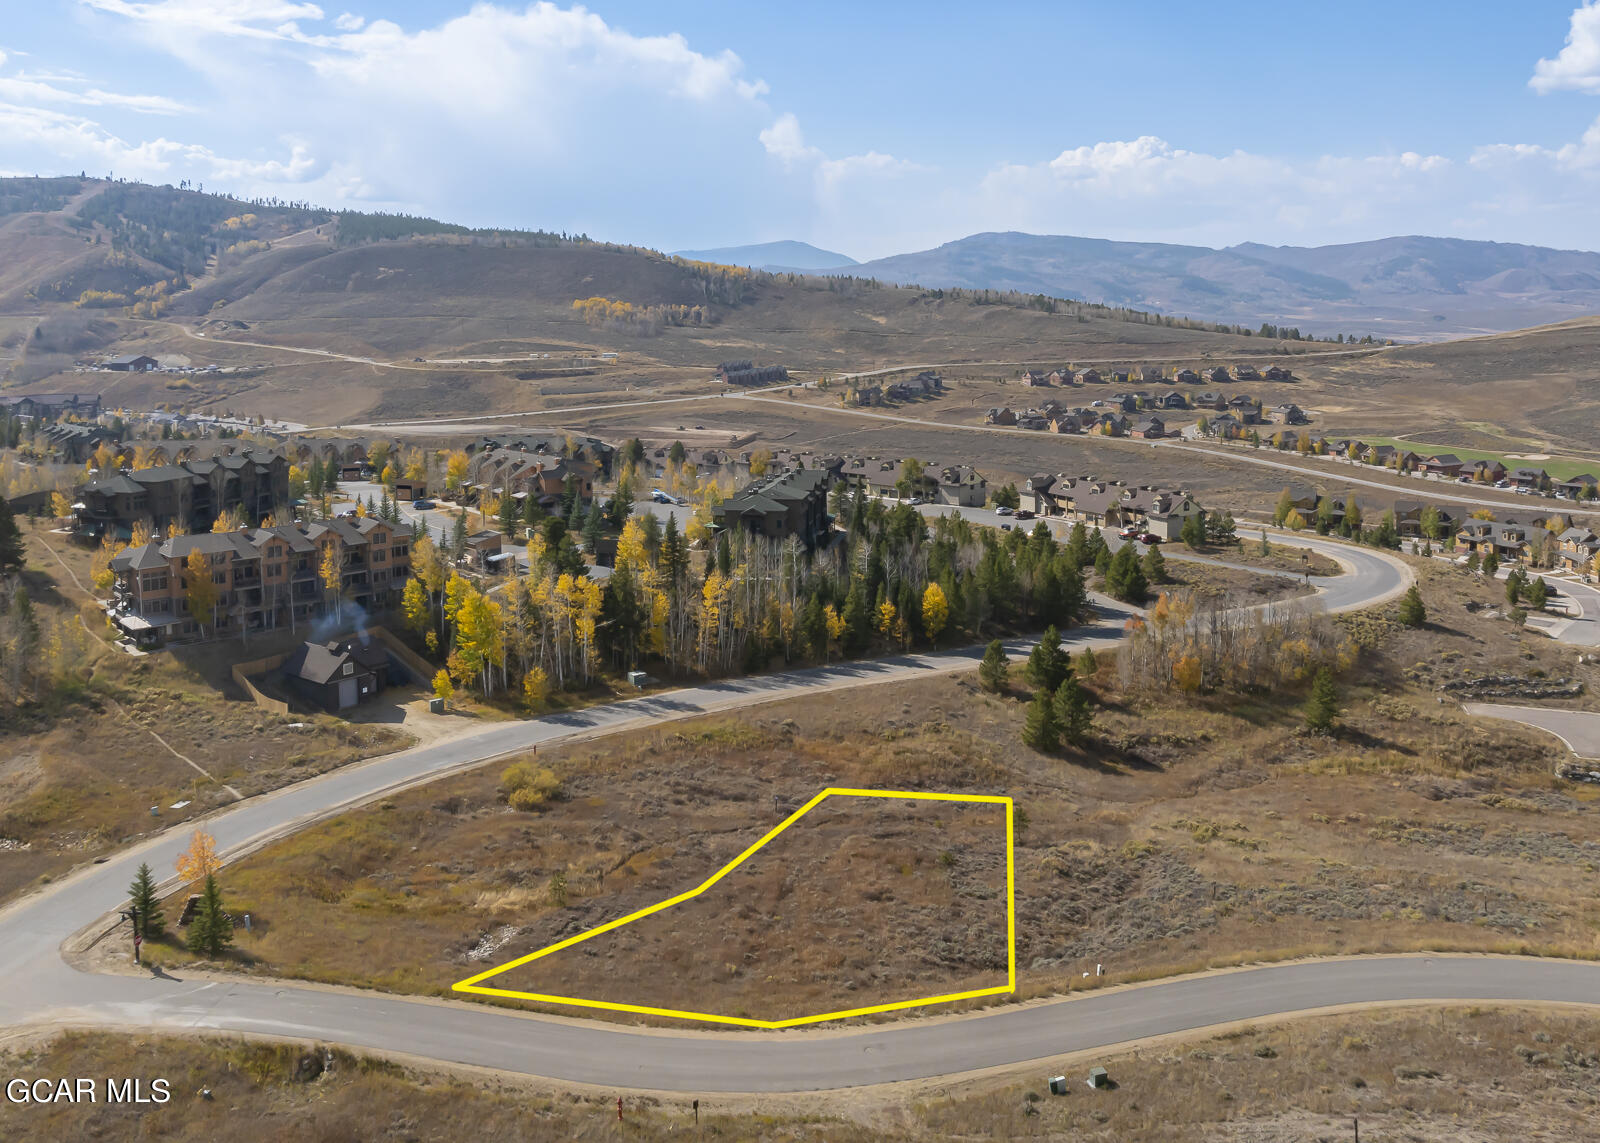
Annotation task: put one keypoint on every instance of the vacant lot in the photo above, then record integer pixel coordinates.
(798, 928)
(1187, 832)
(1447, 1075)
(81, 771)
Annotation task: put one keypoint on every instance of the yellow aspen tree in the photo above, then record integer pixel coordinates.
(200, 860)
(332, 570)
(536, 687)
(455, 471)
(935, 611)
(199, 590)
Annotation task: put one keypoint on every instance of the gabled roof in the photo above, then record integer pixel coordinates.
(318, 663)
(118, 485)
(146, 557)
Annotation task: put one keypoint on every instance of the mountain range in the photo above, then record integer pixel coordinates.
(1407, 288)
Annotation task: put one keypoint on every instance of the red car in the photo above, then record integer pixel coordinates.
(1024, 514)
(1149, 538)
(1129, 534)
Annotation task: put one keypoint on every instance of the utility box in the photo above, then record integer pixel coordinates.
(1058, 1085)
(436, 706)
(1098, 1078)
(638, 679)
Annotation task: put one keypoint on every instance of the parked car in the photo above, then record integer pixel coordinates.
(1024, 514)
(347, 514)
(1005, 527)
(1129, 533)
(914, 501)
(422, 505)
(1003, 511)
(1149, 538)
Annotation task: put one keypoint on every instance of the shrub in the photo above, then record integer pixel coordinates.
(527, 787)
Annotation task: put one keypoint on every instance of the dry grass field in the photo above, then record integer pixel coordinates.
(1445, 1075)
(1188, 833)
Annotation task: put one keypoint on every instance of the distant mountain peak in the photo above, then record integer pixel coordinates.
(784, 255)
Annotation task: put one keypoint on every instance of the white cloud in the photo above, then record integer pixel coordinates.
(784, 141)
(349, 22)
(75, 141)
(260, 18)
(31, 89)
(1577, 67)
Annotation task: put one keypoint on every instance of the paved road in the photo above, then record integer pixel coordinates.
(1579, 729)
(614, 1057)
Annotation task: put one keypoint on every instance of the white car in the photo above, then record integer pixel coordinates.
(1003, 511)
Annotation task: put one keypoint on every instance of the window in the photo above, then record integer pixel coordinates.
(400, 551)
(154, 583)
(379, 555)
(219, 577)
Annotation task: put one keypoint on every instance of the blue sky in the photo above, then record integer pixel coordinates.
(870, 128)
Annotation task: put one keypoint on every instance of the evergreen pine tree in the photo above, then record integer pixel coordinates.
(1047, 666)
(1194, 531)
(995, 669)
(211, 930)
(12, 552)
(531, 510)
(1125, 579)
(724, 555)
(1039, 731)
(458, 537)
(1412, 611)
(147, 906)
(674, 555)
(1073, 714)
(857, 619)
(592, 528)
(1538, 594)
(1155, 565)
(1323, 705)
(1088, 665)
(508, 514)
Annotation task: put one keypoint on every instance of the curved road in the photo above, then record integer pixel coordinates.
(44, 989)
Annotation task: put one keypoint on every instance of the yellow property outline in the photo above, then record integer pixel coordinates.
(472, 984)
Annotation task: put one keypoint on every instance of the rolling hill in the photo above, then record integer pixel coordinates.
(315, 313)
(1408, 288)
